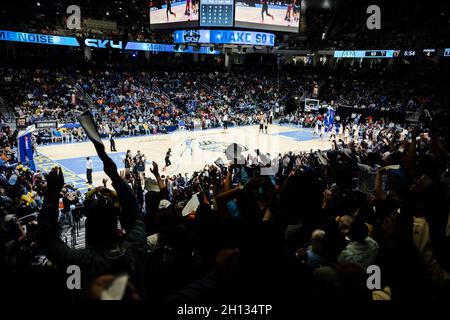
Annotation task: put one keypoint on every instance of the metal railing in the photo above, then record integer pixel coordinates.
(80, 92)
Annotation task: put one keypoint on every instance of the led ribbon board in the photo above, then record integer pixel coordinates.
(225, 37)
(156, 47)
(376, 54)
(38, 38)
(35, 38)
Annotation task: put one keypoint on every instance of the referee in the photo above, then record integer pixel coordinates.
(89, 166)
(112, 143)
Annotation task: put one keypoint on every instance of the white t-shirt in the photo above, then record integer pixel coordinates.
(89, 164)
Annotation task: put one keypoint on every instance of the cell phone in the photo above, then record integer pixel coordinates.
(219, 162)
(116, 289)
(393, 167)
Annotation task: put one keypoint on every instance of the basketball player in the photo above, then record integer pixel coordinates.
(167, 159)
(332, 133)
(341, 130)
(289, 10)
(187, 11)
(261, 123)
(128, 161)
(346, 134)
(356, 134)
(188, 143)
(265, 8)
(266, 124)
(316, 130)
(195, 6)
(225, 122)
(140, 164)
(112, 143)
(169, 10)
(296, 11)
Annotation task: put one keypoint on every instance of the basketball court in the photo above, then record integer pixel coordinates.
(160, 15)
(208, 146)
(253, 15)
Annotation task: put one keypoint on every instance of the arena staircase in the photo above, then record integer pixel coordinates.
(209, 89)
(81, 94)
(155, 87)
(8, 112)
(74, 237)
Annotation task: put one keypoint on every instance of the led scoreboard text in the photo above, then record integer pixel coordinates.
(37, 38)
(204, 36)
(225, 37)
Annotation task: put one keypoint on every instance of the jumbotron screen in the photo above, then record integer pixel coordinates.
(282, 15)
(173, 13)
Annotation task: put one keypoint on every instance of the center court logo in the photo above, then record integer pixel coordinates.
(217, 146)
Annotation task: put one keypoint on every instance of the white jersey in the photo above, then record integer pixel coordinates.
(356, 132)
(347, 132)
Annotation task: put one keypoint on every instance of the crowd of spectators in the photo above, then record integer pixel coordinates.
(39, 94)
(386, 87)
(134, 103)
(289, 227)
(295, 225)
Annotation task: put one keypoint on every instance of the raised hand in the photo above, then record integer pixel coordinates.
(109, 166)
(154, 170)
(55, 183)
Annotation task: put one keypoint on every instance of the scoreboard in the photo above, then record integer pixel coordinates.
(431, 53)
(281, 15)
(216, 13)
(376, 54)
(364, 54)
